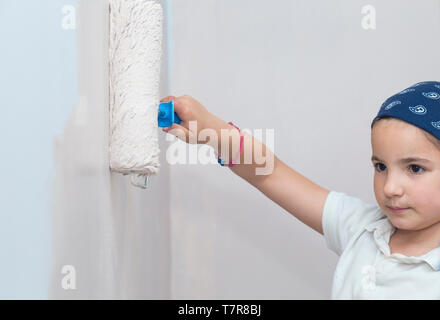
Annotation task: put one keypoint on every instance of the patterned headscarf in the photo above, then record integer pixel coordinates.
(418, 105)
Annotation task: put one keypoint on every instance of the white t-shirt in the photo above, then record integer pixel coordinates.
(359, 233)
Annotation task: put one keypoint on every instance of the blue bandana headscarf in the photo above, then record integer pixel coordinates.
(418, 105)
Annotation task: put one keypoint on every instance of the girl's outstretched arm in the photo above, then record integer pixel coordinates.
(292, 191)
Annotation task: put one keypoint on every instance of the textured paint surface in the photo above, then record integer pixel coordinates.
(135, 55)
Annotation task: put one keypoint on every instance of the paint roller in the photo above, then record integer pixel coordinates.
(135, 51)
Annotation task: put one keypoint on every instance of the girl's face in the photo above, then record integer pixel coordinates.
(410, 183)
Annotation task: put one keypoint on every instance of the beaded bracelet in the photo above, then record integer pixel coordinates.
(220, 161)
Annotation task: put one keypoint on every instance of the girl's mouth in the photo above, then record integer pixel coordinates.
(397, 209)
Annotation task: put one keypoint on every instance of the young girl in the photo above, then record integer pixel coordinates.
(387, 251)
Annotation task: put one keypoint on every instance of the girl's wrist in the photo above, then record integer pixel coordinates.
(229, 139)
(217, 126)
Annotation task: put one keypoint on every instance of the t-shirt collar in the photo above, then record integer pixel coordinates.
(383, 229)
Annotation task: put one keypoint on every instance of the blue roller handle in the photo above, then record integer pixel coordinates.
(166, 115)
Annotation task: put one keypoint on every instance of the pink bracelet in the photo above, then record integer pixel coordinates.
(241, 147)
(241, 143)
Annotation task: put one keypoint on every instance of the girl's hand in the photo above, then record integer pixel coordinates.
(189, 109)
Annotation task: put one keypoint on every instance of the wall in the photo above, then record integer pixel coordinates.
(116, 236)
(38, 90)
(304, 68)
(310, 71)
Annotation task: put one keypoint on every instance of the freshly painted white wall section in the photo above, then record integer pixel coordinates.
(116, 236)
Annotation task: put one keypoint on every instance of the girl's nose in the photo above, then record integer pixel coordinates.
(392, 188)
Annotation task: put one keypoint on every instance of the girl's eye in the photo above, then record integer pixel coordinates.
(417, 169)
(376, 165)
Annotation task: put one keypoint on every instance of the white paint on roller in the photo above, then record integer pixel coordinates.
(135, 49)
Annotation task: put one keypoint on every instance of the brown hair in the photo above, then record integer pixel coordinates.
(430, 137)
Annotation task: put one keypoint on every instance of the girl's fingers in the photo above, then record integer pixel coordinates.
(180, 109)
(177, 130)
(168, 99)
